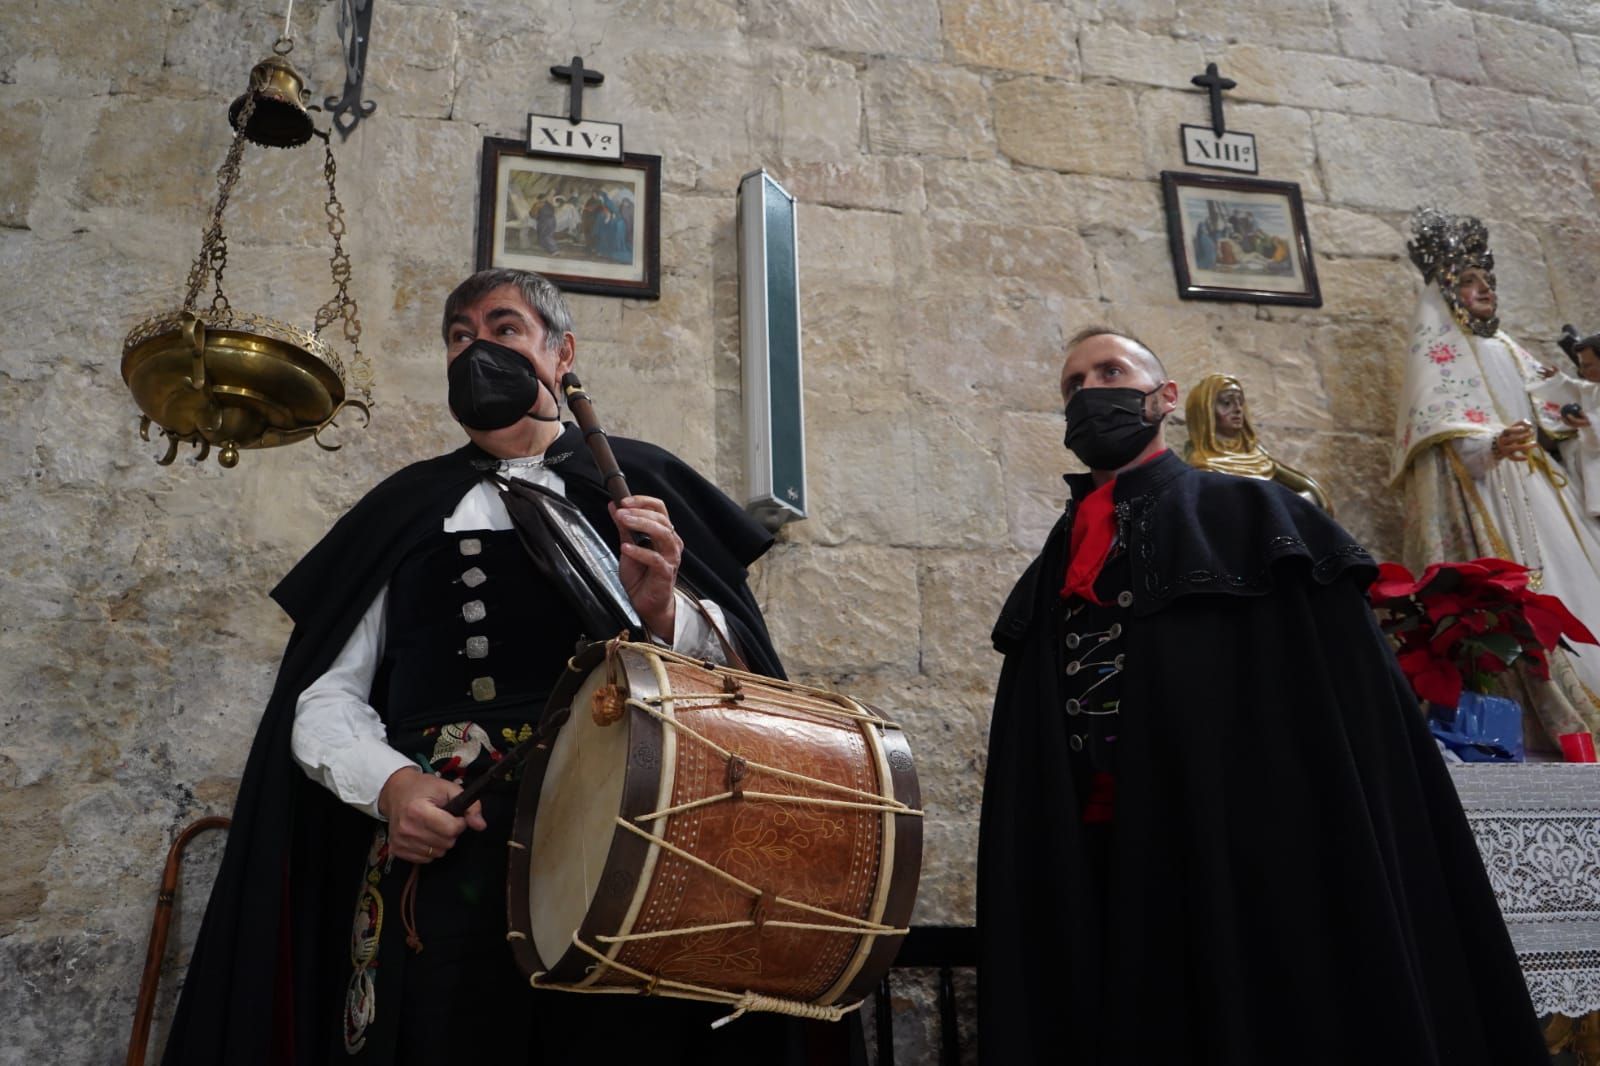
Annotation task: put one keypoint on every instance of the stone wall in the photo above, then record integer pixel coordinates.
(977, 178)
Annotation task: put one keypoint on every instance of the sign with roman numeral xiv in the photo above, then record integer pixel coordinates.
(557, 135)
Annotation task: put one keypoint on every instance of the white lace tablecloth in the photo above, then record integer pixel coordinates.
(1538, 827)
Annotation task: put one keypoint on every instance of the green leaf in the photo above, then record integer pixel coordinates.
(1502, 646)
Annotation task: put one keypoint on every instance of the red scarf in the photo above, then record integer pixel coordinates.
(1094, 530)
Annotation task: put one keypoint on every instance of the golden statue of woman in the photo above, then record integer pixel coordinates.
(1221, 439)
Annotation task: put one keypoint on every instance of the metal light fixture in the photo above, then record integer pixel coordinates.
(219, 377)
(769, 352)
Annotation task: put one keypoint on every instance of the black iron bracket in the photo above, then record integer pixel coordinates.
(355, 30)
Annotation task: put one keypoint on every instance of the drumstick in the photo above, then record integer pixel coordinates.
(583, 411)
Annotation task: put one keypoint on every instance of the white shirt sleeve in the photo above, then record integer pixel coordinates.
(693, 635)
(338, 739)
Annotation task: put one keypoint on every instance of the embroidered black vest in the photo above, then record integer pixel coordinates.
(472, 633)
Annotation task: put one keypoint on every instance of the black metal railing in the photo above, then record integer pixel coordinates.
(940, 947)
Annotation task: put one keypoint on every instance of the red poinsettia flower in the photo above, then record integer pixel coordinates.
(1432, 679)
(1461, 622)
(1509, 581)
(1394, 583)
(1551, 621)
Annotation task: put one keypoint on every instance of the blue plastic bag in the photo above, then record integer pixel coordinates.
(1480, 728)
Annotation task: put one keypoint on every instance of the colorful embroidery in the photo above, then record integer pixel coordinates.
(1442, 354)
(465, 749)
(361, 1001)
(459, 745)
(459, 750)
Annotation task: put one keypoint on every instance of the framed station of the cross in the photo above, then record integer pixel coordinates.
(591, 227)
(1239, 239)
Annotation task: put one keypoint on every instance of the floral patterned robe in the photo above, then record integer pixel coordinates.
(1460, 391)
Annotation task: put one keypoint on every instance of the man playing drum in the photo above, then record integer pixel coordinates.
(1215, 827)
(354, 919)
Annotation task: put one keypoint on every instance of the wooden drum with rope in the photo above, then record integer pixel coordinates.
(701, 832)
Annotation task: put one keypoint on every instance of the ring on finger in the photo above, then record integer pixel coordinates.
(430, 851)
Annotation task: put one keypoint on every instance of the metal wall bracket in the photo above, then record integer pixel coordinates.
(355, 30)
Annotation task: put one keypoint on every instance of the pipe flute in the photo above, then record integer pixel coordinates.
(583, 410)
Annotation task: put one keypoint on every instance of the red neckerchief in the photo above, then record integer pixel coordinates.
(1094, 530)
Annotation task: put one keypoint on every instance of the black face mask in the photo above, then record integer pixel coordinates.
(492, 387)
(1106, 428)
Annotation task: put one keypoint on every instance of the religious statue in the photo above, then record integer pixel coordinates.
(1470, 454)
(1222, 439)
(1576, 398)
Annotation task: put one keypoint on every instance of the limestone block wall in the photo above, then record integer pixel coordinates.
(978, 178)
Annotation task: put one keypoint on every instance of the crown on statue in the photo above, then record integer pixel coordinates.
(1443, 245)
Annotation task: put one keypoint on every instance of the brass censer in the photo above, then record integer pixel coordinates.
(216, 376)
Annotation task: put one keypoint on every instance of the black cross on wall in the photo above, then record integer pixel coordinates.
(1214, 84)
(575, 73)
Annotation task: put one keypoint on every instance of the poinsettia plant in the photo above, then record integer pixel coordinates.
(1459, 624)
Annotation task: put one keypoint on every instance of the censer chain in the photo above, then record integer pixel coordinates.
(342, 306)
(213, 257)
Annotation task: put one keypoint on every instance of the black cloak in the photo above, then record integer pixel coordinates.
(262, 985)
(1291, 877)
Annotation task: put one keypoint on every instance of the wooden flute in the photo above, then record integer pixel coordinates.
(583, 410)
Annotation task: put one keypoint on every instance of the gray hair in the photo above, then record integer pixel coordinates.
(539, 291)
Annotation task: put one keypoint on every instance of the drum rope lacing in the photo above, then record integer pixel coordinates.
(869, 801)
(740, 1001)
(816, 699)
(854, 926)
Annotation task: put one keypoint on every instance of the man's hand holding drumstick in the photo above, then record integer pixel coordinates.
(420, 828)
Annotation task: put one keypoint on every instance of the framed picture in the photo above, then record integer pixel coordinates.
(1239, 239)
(588, 226)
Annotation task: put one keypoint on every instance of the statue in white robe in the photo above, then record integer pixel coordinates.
(1470, 455)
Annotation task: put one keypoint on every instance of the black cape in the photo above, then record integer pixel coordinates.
(1291, 877)
(262, 985)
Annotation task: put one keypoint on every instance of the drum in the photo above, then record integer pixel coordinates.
(702, 832)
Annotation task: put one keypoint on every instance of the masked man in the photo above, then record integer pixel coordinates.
(1215, 828)
(429, 631)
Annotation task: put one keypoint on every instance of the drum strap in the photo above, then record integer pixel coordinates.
(733, 658)
(568, 552)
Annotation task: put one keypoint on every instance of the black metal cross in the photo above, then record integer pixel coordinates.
(579, 77)
(1214, 83)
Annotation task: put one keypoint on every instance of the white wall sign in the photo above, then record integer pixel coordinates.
(556, 135)
(1232, 151)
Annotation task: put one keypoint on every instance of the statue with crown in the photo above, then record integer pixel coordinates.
(1473, 454)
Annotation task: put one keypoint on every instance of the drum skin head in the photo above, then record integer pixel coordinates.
(578, 804)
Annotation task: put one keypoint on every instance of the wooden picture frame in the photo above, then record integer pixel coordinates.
(589, 226)
(1236, 238)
